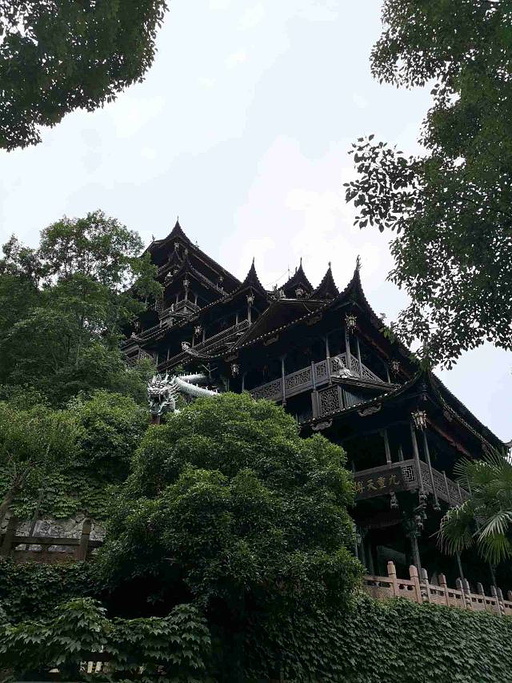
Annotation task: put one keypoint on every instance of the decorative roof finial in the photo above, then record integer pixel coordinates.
(329, 264)
(301, 261)
(358, 262)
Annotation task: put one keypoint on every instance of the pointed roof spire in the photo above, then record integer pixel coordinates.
(177, 231)
(252, 279)
(327, 288)
(297, 281)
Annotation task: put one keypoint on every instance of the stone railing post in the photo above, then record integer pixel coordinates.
(499, 604)
(467, 593)
(460, 587)
(392, 578)
(413, 573)
(500, 601)
(9, 535)
(81, 551)
(444, 585)
(425, 586)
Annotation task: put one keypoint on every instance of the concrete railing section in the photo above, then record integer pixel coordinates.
(418, 589)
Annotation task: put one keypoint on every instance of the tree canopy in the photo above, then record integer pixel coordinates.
(449, 206)
(78, 290)
(60, 55)
(229, 507)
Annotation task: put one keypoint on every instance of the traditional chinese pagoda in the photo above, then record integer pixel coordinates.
(323, 354)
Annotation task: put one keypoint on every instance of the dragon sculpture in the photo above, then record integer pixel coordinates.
(164, 390)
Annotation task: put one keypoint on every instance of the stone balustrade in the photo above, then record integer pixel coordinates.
(418, 589)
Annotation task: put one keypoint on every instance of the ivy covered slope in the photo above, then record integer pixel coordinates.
(368, 642)
(173, 648)
(58, 463)
(385, 642)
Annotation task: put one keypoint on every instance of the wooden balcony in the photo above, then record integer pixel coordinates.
(404, 476)
(314, 376)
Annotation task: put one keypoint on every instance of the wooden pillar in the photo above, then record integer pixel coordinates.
(400, 453)
(417, 457)
(243, 381)
(386, 447)
(415, 551)
(283, 380)
(371, 567)
(360, 365)
(348, 357)
(328, 358)
(432, 480)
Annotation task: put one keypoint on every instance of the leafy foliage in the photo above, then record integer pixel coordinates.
(44, 471)
(34, 444)
(384, 642)
(173, 648)
(485, 520)
(228, 506)
(30, 591)
(78, 290)
(450, 207)
(60, 55)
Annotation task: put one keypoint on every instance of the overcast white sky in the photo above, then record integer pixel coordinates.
(242, 128)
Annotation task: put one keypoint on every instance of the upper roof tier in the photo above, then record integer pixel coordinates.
(177, 246)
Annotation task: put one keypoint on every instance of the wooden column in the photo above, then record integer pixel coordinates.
(360, 365)
(328, 358)
(283, 380)
(417, 457)
(432, 480)
(386, 447)
(415, 551)
(348, 355)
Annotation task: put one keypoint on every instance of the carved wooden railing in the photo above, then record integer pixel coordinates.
(312, 377)
(418, 589)
(404, 476)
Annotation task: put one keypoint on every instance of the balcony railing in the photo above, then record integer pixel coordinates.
(404, 476)
(313, 376)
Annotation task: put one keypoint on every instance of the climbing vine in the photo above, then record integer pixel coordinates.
(31, 591)
(384, 642)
